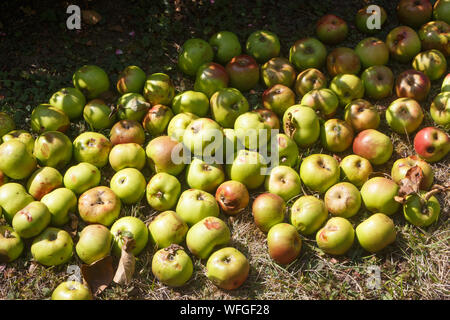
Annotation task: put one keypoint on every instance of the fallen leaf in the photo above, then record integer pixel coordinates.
(125, 269)
(99, 274)
(91, 17)
(411, 182)
(32, 267)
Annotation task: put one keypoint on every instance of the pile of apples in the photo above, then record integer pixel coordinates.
(47, 180)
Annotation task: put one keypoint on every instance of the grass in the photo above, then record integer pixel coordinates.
(40, 55)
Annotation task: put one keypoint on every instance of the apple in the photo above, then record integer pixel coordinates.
(376, 232)
(132, 106)
(72, 290)
(52, 247)
(47, 118)
(284, 182)
(362, 115)
(308, 80)
(269, 117)
(13, 198)
(434, 35)
(227, 268)
(178, 124)
(17, 162)
(440, 109)
(99, 205)
(159, 153)
(331, 29)
(159, 89)
(441, 10)
(226, 105)
(225, 45)
(307, 53)
(287, 150)
(378, 195)
(6, 124)
(53, 149)
(278, 99)
(98, 115)
(263, 45)
(247, 167)
(191, 102)
(163, 191)
(431, 62)
(401, 167)
(43, 181)
(129, 227)
(127, 131)
(343, 60)
(195, 205)
(156, 120)
(11, 245)
(31, 220)
(268, 209)
(414, 13)
(446, 83)
(94, 243)
(232, 197)
(278, 71)
(421, 212)
(403, 43)
(378, 82)
(204, 176)
(374, 146)
(172, 266)
(347, 88)
(363, 16)
(404, 115)
(323, 100)
(231, 144)
(60, 202)
(308, 214)
(92, 147)
(82, 177)
(131, 80)
(91, 80)
(22, 136)
(355, 169)
(193, 54)
(372, 52)
(129, 185)
(336, 135)
(432, 144)
(167, 228)
(252, 130)
(301, 124)
(211, 77)
(69, 100)
(343, 200)
(319, 172)
(206, 235)
(284, 243)
(244, 72)
(203, 137)
(336, 237)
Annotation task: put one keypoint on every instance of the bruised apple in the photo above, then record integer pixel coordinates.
(232, 197)
(336, 237)
(172, 266)
(99, 205)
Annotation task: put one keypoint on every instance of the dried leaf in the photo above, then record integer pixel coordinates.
(127, 262)
(401, 200)
(99, 274)
(411, 182)
(32, 267)
(91, 17)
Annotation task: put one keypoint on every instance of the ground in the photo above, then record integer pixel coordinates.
(39, 56)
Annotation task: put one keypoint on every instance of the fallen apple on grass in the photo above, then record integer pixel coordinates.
(94, 243)
(99, 205)
(336, 237)
(227, 268)
(343, 200)
(374, 146)
(167, 228)
(163, 191)
(195, 205)
(284, 182)
(131, 80)
(72, 290)
(52, 247)
(82, 177)
(378, 195)
(432, 144)
(129, 227)
(232, 197)
(268, 209)
(308, 214)
(172, 266)
(284, 243)
(319, 172)
(11, 244)
(376, 232)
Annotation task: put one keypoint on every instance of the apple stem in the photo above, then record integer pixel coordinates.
(434, 190)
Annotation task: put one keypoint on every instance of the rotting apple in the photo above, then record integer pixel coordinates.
(278, 71)
(159, 153)
(232, 197)
(132, 106)
(376, 232)
(308, 214)
(343, 61)
(435, 35)
(156, 120)
(336, 237)
(31, 220)
(163, 191)
(403, 43)
(159, 89)
(11, 245)
(319, 172)
(92, 147)
(99, 205)
(301, 124)
(374, 146)
(287, 150)
(53, 149)
(401, 167)
(195, 205)
(431, 62)
(308, 80)
(343, 200)
(127, 131)
(441, 10)
(172, 266)
(269, 117)
(22, 136)
(43, 181)
(268, 209)
(378, 195)
(227, 268)
(362, 115)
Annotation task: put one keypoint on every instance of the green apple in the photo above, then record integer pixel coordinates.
(6, 124)
(211, 77)
(225, 45)
(434, 35)
(308, 214)
(376, 232)
(92, 147)
(372, 52)
(378, 82)
(404, 115)
(72, 290)
(204, 176)
(227, 268)
(94, 243)
(287, 150)
(284, 182)
(98, 115)
(99, 205)
(159, 89)
(431, 62)
(127, 155)
(160, 155)
(403, 43)
(278, 71)
(336, 135)
(13, 198)
(11, 245)
(195, 205)
(336, 237)
(401, 166)
(263, 45)
(343, 60)
(167, 228)
(378, 195)
(178, 124)
(355, 169)
(204, 236)
(343, 200)
(129, 185)
(43, 181)
(319, 172)
(47, 118)
(302, 125)
(129, 227)
(268, 209)
(284, 243)
(82, 177)
(132, 106)
(347, 87)
(203, 135)
(323, 100)
(163, 191)
(17, 162)
(374, 146)
(31, 220)
(60, 203)
(247, 168)
(156, 120)
(131, 80)
(191, 102)
(439, 109)
(91, 80)
(193, 54)
(226, 105)
(22, 136)
(172, 266)
(252, 130)
(307, 53)
(362, 19)
(421, 212)
(53, 149)
(446, 83)
(70, 100)
(52, 247)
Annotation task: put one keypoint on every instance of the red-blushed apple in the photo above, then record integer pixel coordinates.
(343, 60)
(127, 131)
(244, 72)
(284, 243)
(31, 220)
(301, 124)
(355, 169)
(363, 16)
(53, 149)
(434, 35)
(376, 232)
(331, 29)
(232, 197)
(227, 268)
(308, 80)
(336, 237)
(362, 115)
(52, 247)
(60, 202)
(372, 52)
(319, 172)
(247, 168)
(99, 205)
(263, 45)
(178, 124)
(440, 109)
(211, 77)
(98, 115)
(129, 185)
(378, 82)
(278, 99)
(441, 10)
(91, 80)
(159, 153)
(431, 62)
(347, 88)
(195, 205)
(269, 117)
(404, 115)
(131, 80)
(432, 144)
(92, 147)
(94, 243)
(287, 150)
(82, 177)
(172, 266)
(420, 211)
(163, 191)
(307, 53)
(193, 54)
(378, 195)
(167, 228)
(284, 182)
(226, 105)
(268, 209)
(17, 162)
(204, 176)
(11, 245)
(127, 155)
(156, 120)
(278, 71)
(225, 45)
(308, 214)
(159, 89)
(322, 100)
(401, 167)
(343, 200)
(129, 227)
(43, 181)
(403, 43)
(336, 135)
(414, 13)
(374, 146)
(72, 290)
